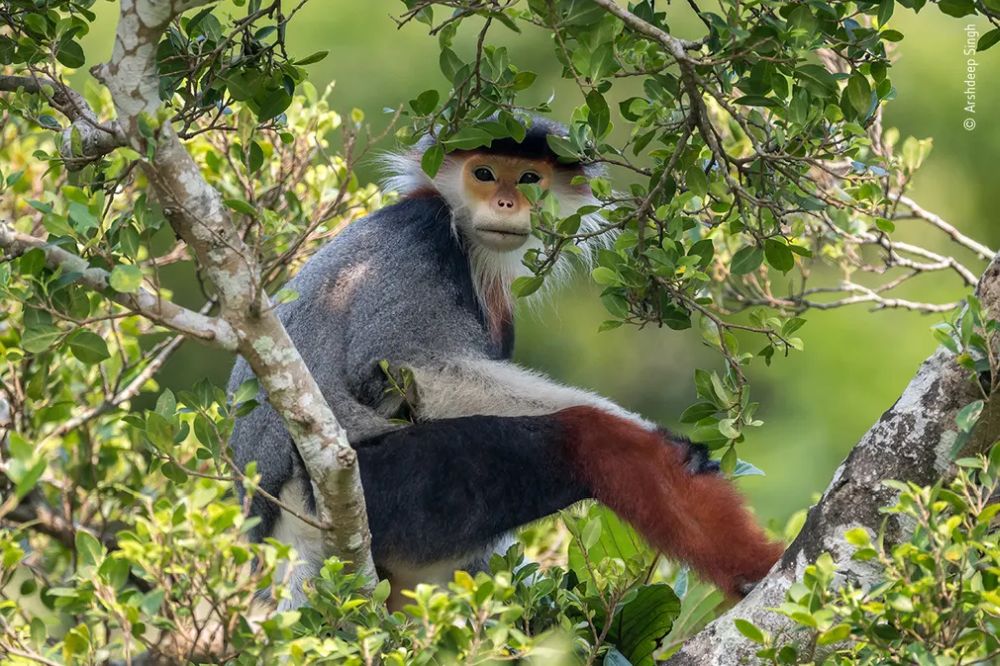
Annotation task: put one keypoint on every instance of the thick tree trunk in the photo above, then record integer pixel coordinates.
(196, 212)
(912, 441)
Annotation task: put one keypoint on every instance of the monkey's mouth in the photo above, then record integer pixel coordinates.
(503, 231)
(502, 239)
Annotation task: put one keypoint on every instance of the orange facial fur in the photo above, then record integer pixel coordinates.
(500, 213)
(508, 172)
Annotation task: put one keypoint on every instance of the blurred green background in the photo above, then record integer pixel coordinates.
(816, 404)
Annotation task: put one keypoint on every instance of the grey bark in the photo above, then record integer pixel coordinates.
(196, 212)
(247, 322)
(912, 441)
(95, 138)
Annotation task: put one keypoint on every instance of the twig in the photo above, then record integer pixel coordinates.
(193, 324)
(936, 220)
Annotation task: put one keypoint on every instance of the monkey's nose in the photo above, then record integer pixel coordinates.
(505, 203)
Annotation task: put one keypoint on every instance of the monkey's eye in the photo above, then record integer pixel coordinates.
(483, 174)
(529, 177)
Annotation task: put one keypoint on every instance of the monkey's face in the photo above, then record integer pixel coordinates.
(500, 216)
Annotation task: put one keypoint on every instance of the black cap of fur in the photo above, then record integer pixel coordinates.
(535, 145)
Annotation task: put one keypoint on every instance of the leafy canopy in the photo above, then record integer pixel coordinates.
(744, 160)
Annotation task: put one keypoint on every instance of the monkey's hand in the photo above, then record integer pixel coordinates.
(696, 456)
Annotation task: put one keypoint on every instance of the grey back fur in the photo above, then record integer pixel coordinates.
(394, 286)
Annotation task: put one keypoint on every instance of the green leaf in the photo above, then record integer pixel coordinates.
(696, 181)
(38, 338)
(88, 347)
(166, 404)
(705, 249)
(835, 634)
(750, 630)
(618, 538)
(605, 276)
(256, 156)
(778, 255)
(425, 102)
(432, 159)
(859, 93)
(241, 206)
(159, 430)
(313, 58)
(697, 412)
(969, 415)
(884, 225)
(746, 260)
(147, 125)
(728, 428)
(83, 220)
(526, 285)
(885, 8)
(562, 147)
(129, 242)
(857, 536)
(523, 80)
(615, 658)
(115, 571)
(591, 533)
(241, 86)
(640, 624)
(174, 472)
(744, 468)
(728, 461)
(70, 54)
(957, 8)
(151, 601)
(469, 138)
(48, 122)
(272, 104)
(902, 603)
(450, 63)
(88, 548)
(25, 481)
(33, 261)
(599, 115)
(819, 76)
(126, 279)
(247, 390)
(36, 22)
(676, 318)
(381, 591)
(988, 40)
(757, 100)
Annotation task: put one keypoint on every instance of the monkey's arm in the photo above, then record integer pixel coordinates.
(470, 386)
(437, 491)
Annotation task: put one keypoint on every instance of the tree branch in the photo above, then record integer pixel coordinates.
(936, 220)
(912, 441)
(96, 139)
(192, 324)
(130, 391)
(677, 47)
(196, 213)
